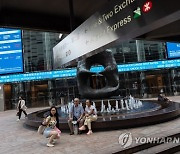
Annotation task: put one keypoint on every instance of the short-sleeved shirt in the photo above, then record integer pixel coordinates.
(88, 109)
(51, 122)
(77, 110)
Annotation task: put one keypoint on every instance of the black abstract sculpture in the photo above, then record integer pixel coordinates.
(110, 74)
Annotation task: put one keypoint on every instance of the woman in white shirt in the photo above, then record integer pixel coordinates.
(21, 107)
(90, 115)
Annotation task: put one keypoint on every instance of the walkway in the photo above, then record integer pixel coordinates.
(16, 138)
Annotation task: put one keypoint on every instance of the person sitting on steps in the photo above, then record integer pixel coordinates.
(90, 115)
(162, 97)
(76, 113)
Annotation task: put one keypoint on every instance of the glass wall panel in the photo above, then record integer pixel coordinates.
(38, 50)
(38, 56)
(154, 50)
(139, 51)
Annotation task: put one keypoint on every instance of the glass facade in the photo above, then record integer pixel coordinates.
(38, 56)
(143, 83)
(38, 50)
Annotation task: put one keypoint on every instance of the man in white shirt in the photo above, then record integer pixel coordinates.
(75, 114)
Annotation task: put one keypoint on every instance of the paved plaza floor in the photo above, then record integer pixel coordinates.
(16, 138)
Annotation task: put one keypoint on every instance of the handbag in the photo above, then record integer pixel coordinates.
(17, 114)
(41, 129)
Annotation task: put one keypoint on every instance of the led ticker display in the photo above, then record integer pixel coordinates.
(173, 50)
(11, 60)
(38, 76)
(97, 69)
(149, 65)
(72, 72)
(143, 66)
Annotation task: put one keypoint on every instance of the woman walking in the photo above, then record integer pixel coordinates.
(21, 107)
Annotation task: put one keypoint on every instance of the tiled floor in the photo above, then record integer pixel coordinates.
(16, 138)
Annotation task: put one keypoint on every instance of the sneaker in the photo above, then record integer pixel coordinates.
(82, 128)
(71, 134)
(89, 132)
(50, 145)
(18, 120)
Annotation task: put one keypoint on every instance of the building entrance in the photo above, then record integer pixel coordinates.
(158, 81)
(155, 83)
(39, 94)
(9, 103)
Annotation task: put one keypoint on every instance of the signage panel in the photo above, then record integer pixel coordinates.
(173, 50)
(121, 20)
(11, 60)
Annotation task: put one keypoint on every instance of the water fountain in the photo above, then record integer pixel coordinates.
(102, 107)
(94, 104)
(117, 113)
(113, 111)
(120, 105)
(117, 106)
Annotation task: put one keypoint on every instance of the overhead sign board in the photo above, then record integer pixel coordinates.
(173, 50)
(11, 59)
(121, 20)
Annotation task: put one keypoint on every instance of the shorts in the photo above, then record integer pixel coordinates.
(47, 131)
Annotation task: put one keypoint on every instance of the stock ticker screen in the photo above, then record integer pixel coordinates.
(173, 50)
(11, 58)
(144, 66)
